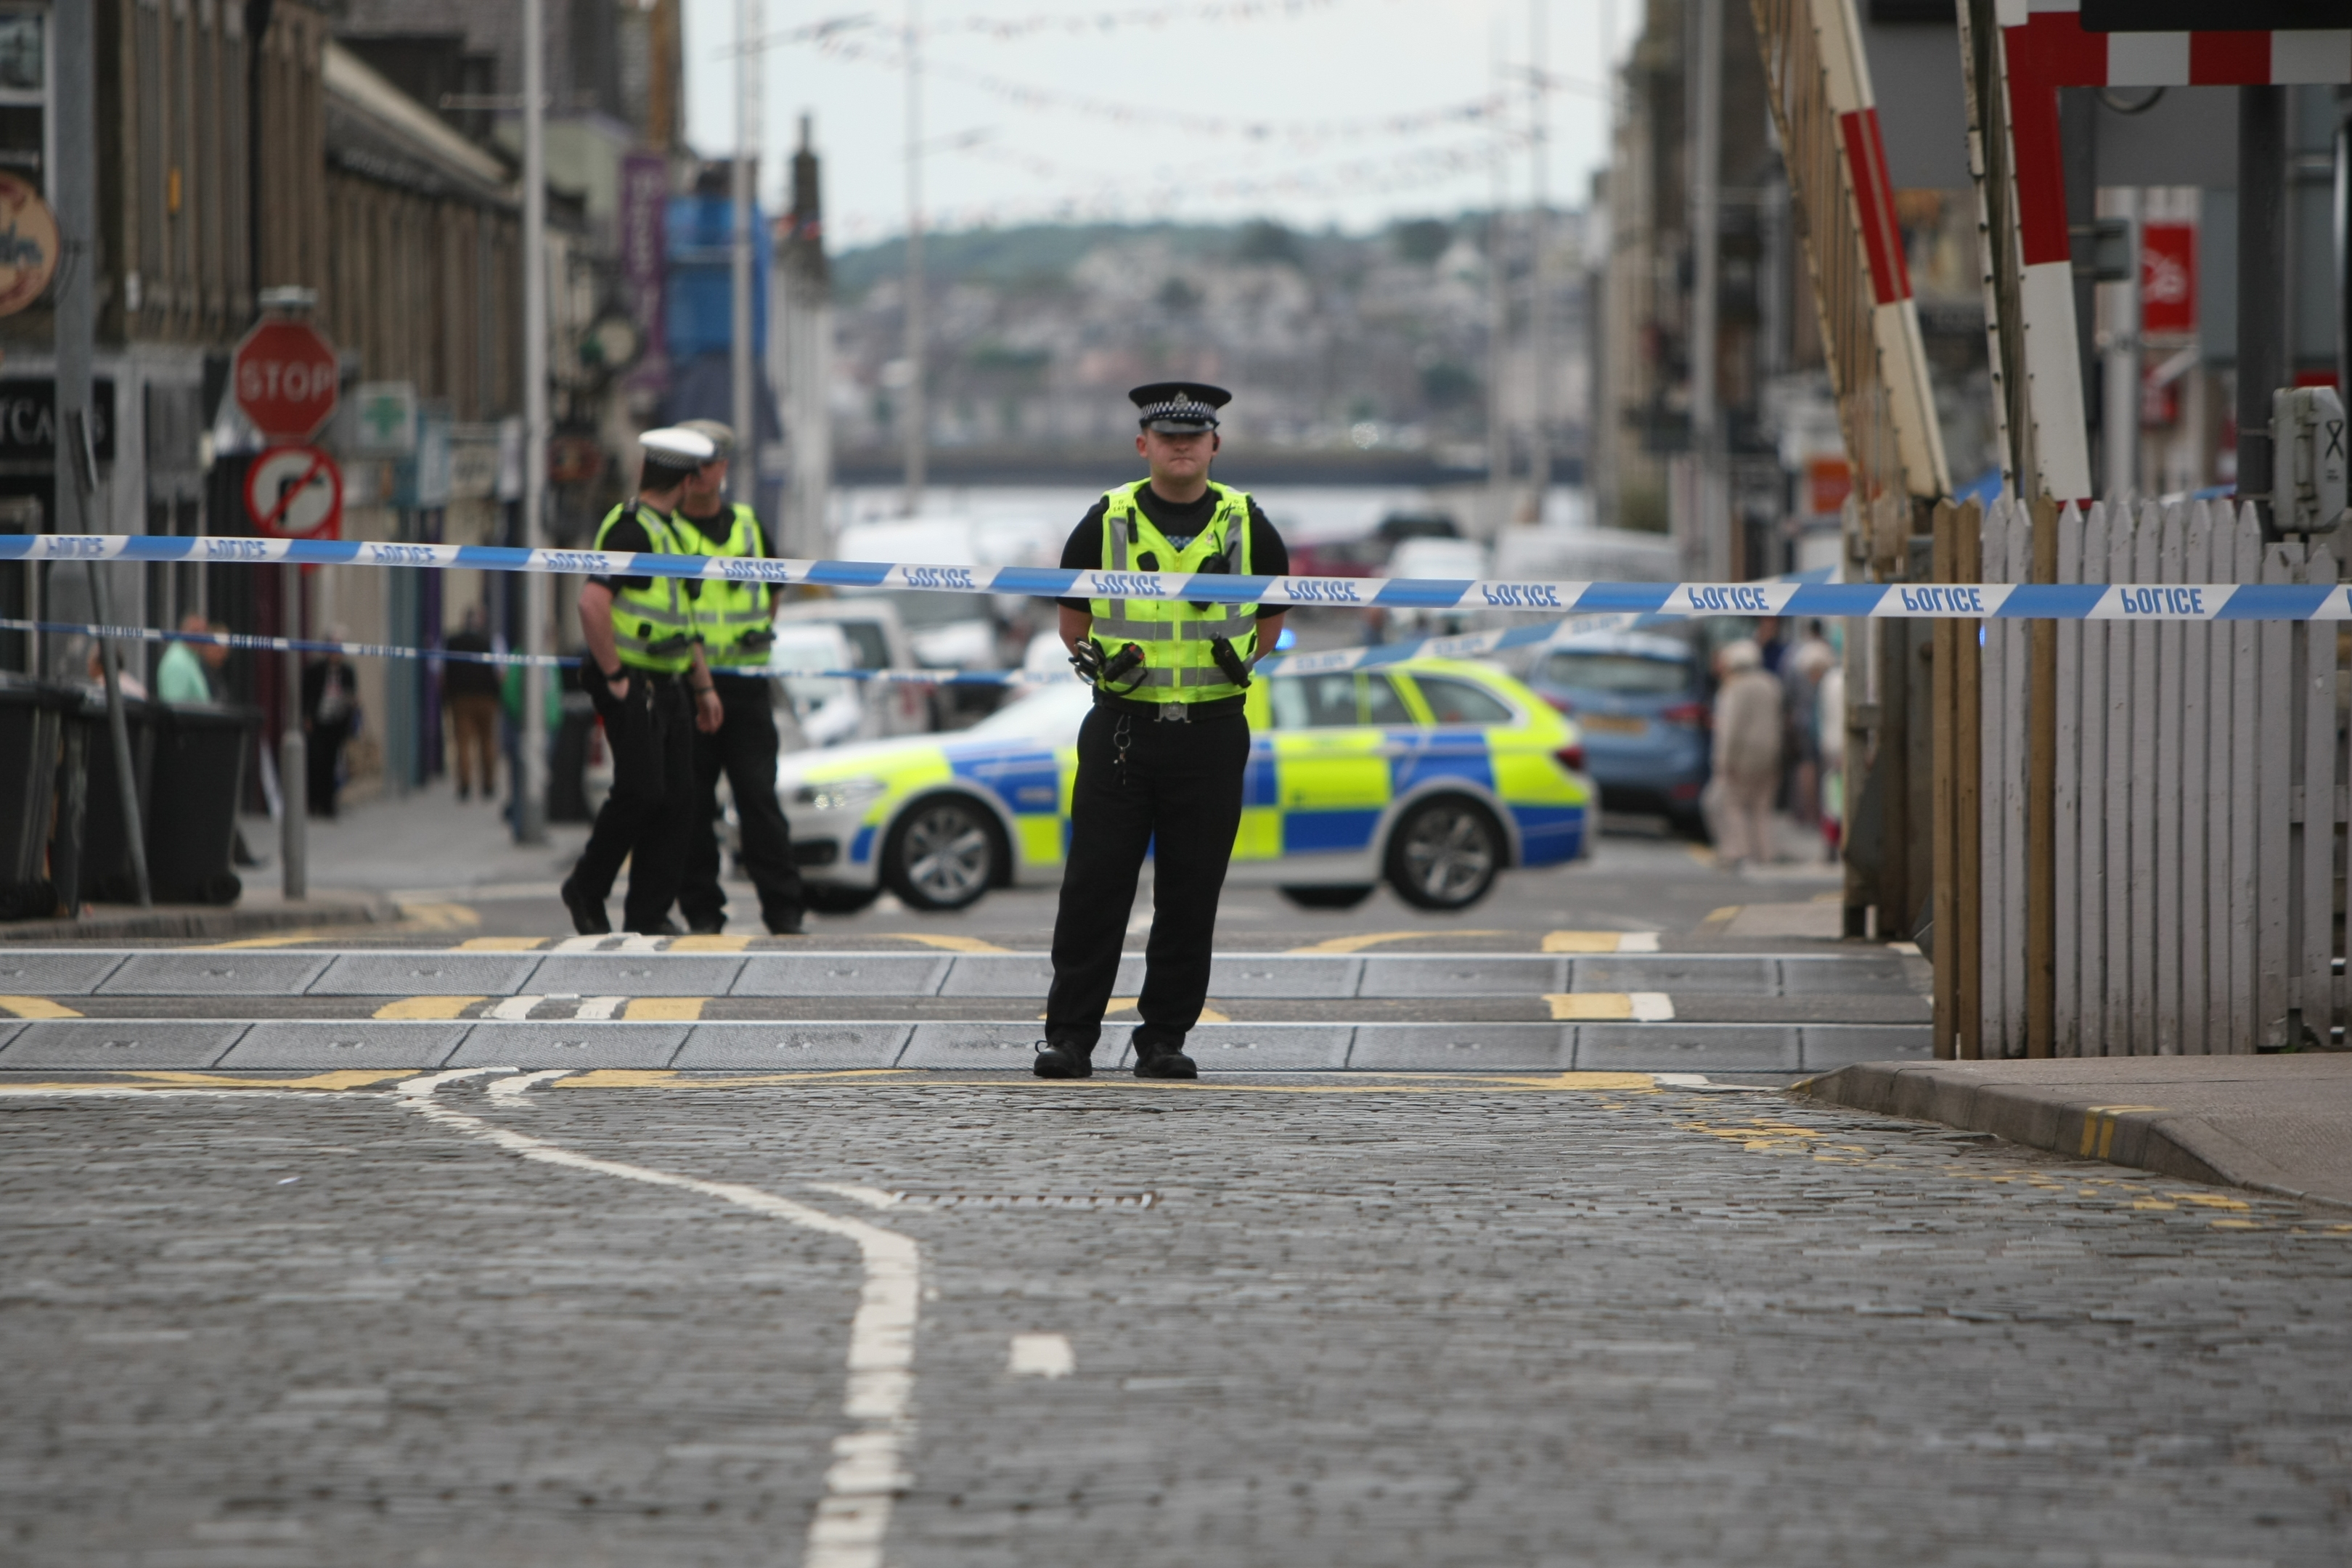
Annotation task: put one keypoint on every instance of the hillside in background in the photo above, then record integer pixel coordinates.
(1376, 343)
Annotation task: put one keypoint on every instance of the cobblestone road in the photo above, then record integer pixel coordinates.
(1421, 1322)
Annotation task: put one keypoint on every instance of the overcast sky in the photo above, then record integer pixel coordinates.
(1312, 111)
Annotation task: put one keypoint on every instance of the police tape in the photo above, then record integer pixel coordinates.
(247, 642)
(1909, 601)
(1472, 645)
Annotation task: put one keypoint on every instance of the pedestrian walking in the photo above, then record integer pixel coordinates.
(331, 717)
(180, 674)
(469, 691)
(646, 675)
(1747, 756)
(735, 620)
(1800, 683)
(1161, 754)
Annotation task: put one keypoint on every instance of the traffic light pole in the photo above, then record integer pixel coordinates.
(2262, 288)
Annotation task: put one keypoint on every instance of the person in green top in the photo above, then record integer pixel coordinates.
(180, 677)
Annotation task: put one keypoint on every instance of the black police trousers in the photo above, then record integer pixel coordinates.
(1180, 785)
(646, 818)
(744, 748)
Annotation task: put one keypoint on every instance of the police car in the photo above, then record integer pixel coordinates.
(1431, 774)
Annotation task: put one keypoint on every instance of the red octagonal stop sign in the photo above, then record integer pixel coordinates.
(285, 379)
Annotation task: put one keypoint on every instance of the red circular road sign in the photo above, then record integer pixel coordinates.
(295, 493)
(285, 379)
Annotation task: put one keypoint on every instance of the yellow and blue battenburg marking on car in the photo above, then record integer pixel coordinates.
(1431, 775)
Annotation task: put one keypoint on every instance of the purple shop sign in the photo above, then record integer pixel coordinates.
(645, 235)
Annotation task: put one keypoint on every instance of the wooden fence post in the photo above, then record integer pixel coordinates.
(2040, 799)
(1943, 674)
(1968, 795)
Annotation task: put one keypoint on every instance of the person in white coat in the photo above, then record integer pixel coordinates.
(1747, 727)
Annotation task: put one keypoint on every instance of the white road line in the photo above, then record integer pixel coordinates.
(1040, 1355)
(581, 944)
(1638, 942)
(869, 1463)
(510, 1090)
(599, 1006)
(514, 1009)
(872, 1197)
(1652, 1006)
(635, 942)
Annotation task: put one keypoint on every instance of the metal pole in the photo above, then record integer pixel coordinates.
(293, 757)
(1498, 312)
(743, 473)
(916, 433)
(2262, 286)
(126, 776)
(1539, 268)
(2119, 398)
(1705, 175)
(531, 820)
(73, 195)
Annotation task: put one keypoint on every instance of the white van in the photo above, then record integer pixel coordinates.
(877, 638)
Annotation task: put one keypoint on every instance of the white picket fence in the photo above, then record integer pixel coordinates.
(2196, 832)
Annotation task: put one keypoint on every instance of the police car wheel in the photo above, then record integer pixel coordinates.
(1347, 896)
(942, 854)
(1445, 855)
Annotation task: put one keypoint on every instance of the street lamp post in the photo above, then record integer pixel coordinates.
(530, 822)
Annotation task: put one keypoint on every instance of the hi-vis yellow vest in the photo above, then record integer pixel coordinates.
(653, 627)
(727, 613)
(1178, 665)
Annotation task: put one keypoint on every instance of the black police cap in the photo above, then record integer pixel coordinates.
(1179, 408)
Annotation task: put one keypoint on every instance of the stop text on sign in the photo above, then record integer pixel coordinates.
(285, 379)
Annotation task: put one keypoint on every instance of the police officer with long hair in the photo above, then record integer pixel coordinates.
(646, 674)
(1162, 755)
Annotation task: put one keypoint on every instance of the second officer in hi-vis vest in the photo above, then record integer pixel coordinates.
(1162, 755)
(646, 674)
(736, 623)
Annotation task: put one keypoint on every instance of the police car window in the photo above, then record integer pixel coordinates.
(1459, 702)
(1314, 701)
(1630, 674)
(866, 638)
(1382, 705)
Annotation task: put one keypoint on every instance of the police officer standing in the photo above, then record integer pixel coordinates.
(1163, 751)
(646, 674)
(736, 622)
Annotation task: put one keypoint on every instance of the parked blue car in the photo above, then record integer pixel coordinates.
(1641, 702)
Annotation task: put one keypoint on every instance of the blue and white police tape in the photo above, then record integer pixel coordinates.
(552, 661)
(1963, 601)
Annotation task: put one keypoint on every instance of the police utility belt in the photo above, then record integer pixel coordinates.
(1104, 674)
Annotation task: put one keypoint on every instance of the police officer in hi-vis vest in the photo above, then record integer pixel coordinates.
(646, 674)
(736, 622)
(1161, 754)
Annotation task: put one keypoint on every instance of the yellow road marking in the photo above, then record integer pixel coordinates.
(2099, 1127)
(351, 1079)
(949, 944)
(1599, 941)
(1363, 940)
(1700, 853)
(1723, 916)
(710, 943)
(429, 1008)
(413, 918)
(1612, 1006)
(664, 1009)
(35, 1007)
(2209, 1200)
(502, 944)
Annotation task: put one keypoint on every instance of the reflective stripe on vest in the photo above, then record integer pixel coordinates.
(725, 612)
(653, 627)
(1175, 635)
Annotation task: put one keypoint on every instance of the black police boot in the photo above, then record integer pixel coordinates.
(663, 927)
(1063, 1060)
(1163, 1061)
(707, 925)
(587, 914)
(789, 922)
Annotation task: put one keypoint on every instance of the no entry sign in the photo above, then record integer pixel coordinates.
(285, 380)
(295, 493)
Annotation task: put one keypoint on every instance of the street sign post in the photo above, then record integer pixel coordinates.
(285, 378)
(295, 493)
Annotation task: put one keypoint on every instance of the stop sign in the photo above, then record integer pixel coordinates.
(285, 379)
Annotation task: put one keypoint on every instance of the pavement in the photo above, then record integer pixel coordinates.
(2270, 1123)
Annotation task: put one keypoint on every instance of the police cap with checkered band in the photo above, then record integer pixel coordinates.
(1179, 408)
